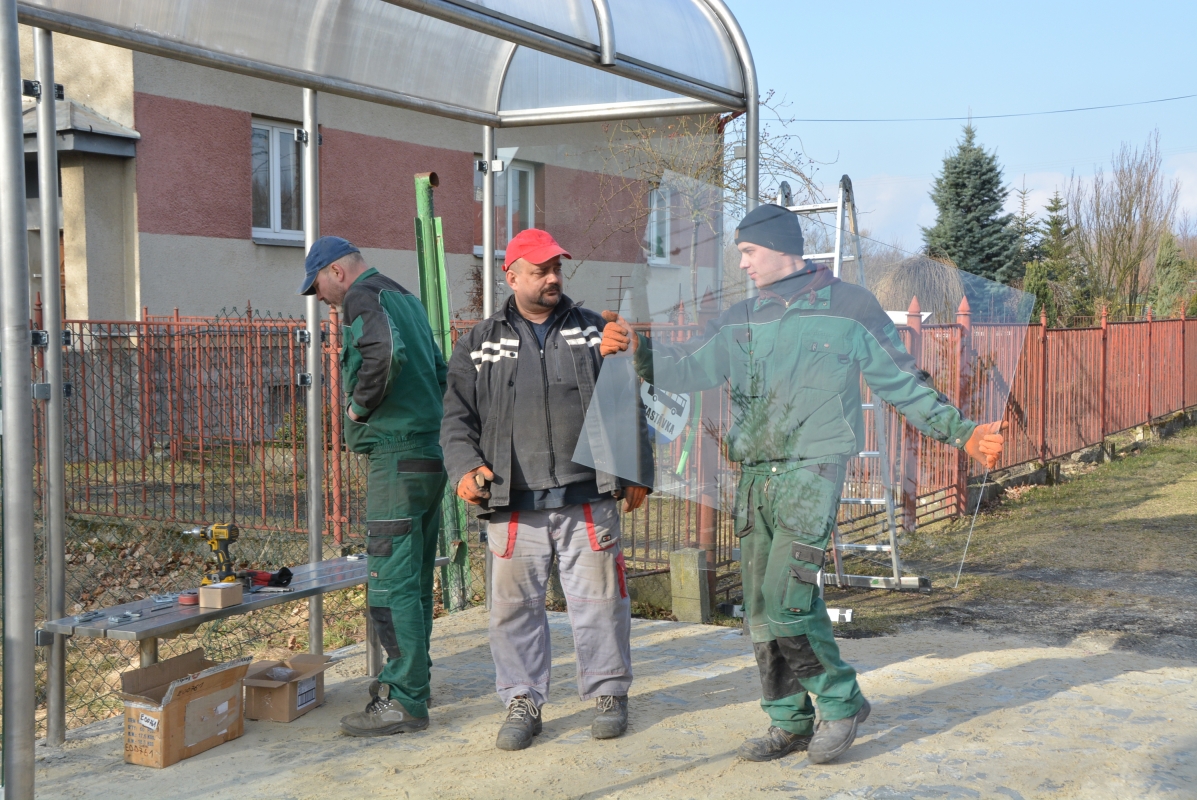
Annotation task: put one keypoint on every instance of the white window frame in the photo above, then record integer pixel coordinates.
(658, 205)
(275, 232)
(513, 166)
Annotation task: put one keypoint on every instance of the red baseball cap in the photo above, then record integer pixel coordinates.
(533, 245)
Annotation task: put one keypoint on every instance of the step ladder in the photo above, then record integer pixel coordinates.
(876, 489)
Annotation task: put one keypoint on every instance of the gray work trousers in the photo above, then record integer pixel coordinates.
(585, 538)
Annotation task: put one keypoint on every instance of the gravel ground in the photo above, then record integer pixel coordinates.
(957, 713)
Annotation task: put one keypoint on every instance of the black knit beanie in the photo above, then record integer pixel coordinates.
(773, 227)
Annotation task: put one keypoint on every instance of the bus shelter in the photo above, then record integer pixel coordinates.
(498, 64)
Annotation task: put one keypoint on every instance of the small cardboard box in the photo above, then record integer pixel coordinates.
(181, 707)
(221, 595)
(284, 700)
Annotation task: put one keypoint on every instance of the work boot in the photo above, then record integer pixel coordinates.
(612, 717)
(832, 738)
(774, 744)
(522, 723)
(382, 717)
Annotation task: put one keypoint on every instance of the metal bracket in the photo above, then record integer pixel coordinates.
(480, 165)
(303, 379)
(31, 88)
(301, 136)
(67, 388)
(66, 337)
(41, 391)
(496, 165)
(42, 637)
(39, 338)
(482, 537)
(303, 336)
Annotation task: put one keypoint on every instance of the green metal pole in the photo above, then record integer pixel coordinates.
(434, 293)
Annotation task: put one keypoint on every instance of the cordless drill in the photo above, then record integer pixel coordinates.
(218, 537)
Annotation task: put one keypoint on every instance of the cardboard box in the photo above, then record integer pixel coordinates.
(221, 595)
(266, 697)
(181, 707)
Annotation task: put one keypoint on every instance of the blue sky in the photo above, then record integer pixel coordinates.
(938, 59)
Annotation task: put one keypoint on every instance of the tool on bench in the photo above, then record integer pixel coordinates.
(218, 536)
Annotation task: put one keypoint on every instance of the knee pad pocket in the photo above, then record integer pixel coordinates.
(800, 656)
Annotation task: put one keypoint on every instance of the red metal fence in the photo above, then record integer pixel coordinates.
(186, 420)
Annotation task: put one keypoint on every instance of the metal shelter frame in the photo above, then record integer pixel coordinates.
(215, 34)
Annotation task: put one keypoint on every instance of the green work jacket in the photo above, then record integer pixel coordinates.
(391, 369)
(793, 358)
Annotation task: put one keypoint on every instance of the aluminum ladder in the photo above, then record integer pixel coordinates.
(881, 482)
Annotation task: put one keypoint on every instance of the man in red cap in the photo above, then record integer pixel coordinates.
(518, 387)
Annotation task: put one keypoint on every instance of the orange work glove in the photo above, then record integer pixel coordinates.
(633, 497)
(472, 486)
(617, 335)
(985, 445)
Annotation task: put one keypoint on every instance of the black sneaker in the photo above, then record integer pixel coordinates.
(612, 718)
(383, 716)
(833, 738)
(522, 723)
(776, 743)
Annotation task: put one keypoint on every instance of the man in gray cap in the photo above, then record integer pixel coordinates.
(794, 357)
(387, 344)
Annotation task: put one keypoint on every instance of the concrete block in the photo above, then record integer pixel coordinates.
(688, 582)
(654, 590)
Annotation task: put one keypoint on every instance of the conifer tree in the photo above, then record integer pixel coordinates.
(971, 229)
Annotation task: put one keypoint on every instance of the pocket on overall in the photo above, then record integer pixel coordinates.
(805, 501)
(381, 533)
(824, 362)
(800, 589)
(602, 524)
(743, 514)
(501, 533)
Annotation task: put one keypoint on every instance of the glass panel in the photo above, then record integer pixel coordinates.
(290, 179)
(260, 165)
(502, 236)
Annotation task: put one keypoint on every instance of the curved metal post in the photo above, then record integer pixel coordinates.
(17, 371)
(315, 357)
(606, 32)
(54, 513)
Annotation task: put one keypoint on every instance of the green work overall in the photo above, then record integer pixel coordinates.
(403, 521)
(394, 378)
(793, 359)
(785, 514)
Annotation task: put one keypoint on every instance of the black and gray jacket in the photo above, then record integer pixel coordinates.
(520, 410)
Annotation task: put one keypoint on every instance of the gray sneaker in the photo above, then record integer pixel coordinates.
(522, 723)
(776, 743)
(832, 738)
(612, 718)
(383, 716)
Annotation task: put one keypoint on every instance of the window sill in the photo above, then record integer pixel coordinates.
(655, 262)
(273, 241)
(499, 254)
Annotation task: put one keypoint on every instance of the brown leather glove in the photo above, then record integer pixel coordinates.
(633, 497)
(617, 335)
(986, 443)
(473, 485)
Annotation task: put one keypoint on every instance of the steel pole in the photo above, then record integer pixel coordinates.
(488, 270)
(315, 357)
(16, 370)
(55, 509)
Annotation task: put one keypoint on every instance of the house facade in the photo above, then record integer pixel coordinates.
(181, 188)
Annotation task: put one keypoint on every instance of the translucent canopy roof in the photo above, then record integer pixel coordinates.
(496, 62)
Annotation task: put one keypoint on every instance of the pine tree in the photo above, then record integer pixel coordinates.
(1173, 285)
(971, 229)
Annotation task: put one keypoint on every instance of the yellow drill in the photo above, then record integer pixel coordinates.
(218, 537)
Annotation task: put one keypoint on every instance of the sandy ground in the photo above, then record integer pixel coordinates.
(956, 714)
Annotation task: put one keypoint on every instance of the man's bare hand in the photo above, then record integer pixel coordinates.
(633, 497)
(986, 443)
(352, 416)
(617, 335)
(473, 485)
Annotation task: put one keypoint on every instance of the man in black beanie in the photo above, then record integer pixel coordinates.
(794, 357)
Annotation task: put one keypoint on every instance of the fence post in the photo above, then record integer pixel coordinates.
(964, 379)
(1043, 385)
(911, 438)
(1103, 389)
(1149, 370)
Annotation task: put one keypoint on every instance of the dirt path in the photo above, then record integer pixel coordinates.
(957, 714)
